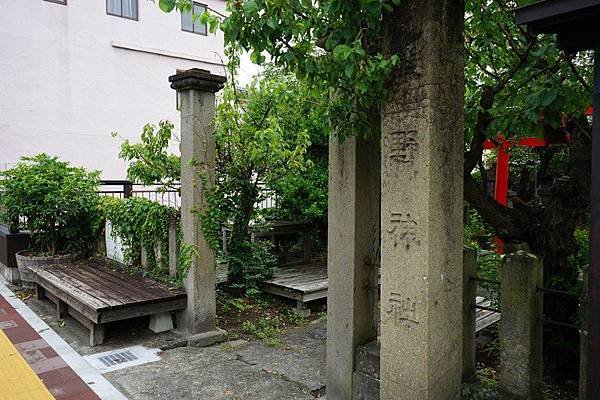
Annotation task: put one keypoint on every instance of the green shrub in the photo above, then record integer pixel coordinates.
(251, 264)
(57, 203)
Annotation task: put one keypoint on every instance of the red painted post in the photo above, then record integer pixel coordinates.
(501, 189)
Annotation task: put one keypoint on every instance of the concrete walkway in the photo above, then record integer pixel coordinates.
(35, 363)
(233, 370)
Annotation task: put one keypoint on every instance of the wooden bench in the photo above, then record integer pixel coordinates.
(95, 294)
(309, 282)
(303, 283)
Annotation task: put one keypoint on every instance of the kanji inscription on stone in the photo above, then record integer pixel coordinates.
(403, 147)
(401, 309)
(403, 229)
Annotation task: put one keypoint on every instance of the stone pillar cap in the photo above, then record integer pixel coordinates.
(199, 79)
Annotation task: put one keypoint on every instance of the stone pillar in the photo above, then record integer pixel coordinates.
(353, 254)
(468, 312)
(422, 203)
(521, 329)
(197, 90)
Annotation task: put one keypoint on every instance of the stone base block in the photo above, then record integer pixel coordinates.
(365, 379)
(301, 309)
(367, 359)
(205, 339)
(10, 274)
(364, 387)
(161, 322)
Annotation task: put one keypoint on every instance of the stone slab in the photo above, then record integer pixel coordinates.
(207, 338)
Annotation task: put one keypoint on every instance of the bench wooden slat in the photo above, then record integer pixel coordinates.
(84, 287)
(43, 276)
(99, 281)
(150, 288)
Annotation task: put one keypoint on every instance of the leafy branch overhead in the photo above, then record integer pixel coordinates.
(332, 45)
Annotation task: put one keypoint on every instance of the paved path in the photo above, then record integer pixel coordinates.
(19, 381)
(37, 364)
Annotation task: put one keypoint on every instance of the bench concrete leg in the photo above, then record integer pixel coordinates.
(301, 309)
(161, 322)
(96, 334)
(40, 292)
(61, 309)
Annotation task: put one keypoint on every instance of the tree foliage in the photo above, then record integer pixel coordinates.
(149, 159)
(331, 45)
(263, 133)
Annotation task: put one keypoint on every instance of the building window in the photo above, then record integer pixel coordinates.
(122, 8)
(190, 22)
(63, 2)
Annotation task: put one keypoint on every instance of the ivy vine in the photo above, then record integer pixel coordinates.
(144, 224)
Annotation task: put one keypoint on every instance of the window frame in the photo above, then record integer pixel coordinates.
(137, 11)
(61, 2)
(205, 33)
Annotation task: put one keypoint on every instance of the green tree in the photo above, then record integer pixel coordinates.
(516, 84)
(262, 135)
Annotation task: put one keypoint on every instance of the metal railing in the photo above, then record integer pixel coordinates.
(169, 197)
(123, 189)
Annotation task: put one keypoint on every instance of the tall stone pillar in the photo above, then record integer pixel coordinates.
(422, 203)
(353, 253)
(197, 90)
(521, 330)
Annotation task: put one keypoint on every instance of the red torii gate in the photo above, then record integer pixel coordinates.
(503, 147)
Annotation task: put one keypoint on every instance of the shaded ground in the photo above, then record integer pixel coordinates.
(287, 362)
(234, 370)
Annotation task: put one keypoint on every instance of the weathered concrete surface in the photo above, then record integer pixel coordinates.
(232, 370)
(196, 90)
(161, 322)
(521, 330)
(353, 252)
(237, 370)
(422, 203)
(366, 381)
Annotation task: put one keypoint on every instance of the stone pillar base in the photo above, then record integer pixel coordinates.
(365, 382)
(206, 339)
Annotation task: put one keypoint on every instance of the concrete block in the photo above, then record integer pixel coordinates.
(161, 322)
(10, 274)
(364, 387)
(367, 359)
(207, 338)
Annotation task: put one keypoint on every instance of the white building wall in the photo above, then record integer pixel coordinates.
(70, 75)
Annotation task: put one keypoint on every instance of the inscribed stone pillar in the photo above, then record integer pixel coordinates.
(353, 255)
(197, 90)
(422, 203)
